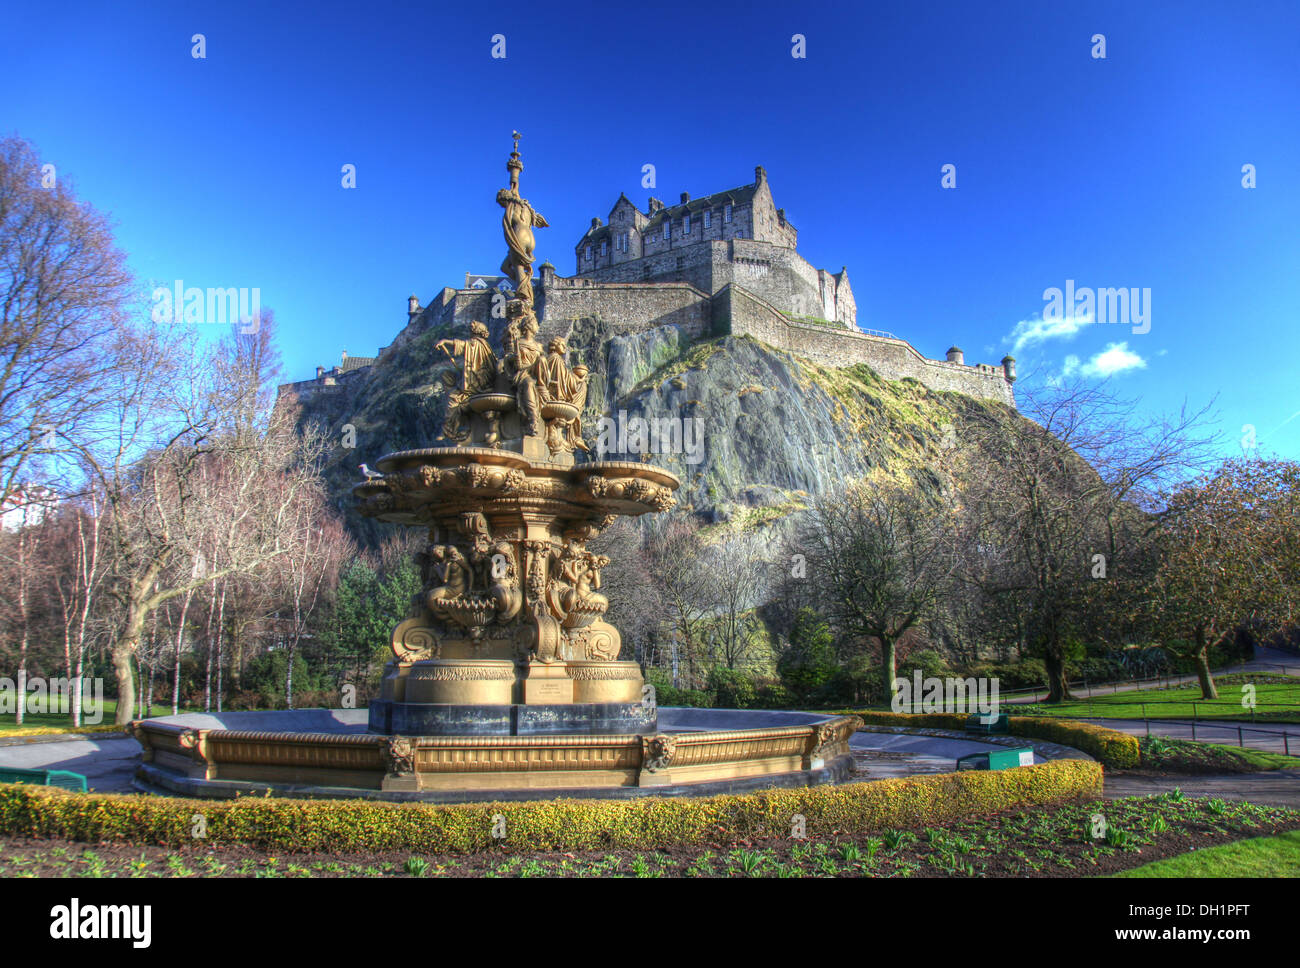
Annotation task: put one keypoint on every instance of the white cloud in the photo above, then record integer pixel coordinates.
(1034, 330)
(1115, 358)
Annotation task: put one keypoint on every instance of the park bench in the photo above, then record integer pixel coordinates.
(56, 778)
(976, 724)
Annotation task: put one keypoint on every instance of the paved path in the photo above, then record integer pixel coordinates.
(1280, 788)
(107, 764)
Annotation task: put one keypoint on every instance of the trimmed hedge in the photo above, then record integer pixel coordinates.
(645, 823)
(1109, 746)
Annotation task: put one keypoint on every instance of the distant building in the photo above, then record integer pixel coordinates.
(339, 375)
(26, 506)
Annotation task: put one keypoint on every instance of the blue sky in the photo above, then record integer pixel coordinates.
(1116, 172)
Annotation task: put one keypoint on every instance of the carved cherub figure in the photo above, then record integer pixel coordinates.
(451, 571)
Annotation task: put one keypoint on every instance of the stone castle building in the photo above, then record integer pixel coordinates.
(722, 264)
(734, 237)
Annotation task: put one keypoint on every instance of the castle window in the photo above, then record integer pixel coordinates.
(686, 224)
(708, 212)
(726, 212)
(668, 228)
(588, 255)
(604, 248)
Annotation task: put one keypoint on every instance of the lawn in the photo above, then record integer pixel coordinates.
(1163, 755)
(1257, 857)
(37, 723)
(1277, 699)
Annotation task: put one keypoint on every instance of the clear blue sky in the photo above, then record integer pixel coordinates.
(1117, 172)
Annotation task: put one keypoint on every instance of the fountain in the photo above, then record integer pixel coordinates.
(507, 677)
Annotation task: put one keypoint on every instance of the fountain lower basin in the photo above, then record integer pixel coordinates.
(331, 753)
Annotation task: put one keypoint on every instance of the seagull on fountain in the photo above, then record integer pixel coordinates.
(370, 475)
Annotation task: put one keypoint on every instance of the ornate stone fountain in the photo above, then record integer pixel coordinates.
(506, 680)
(509, 635)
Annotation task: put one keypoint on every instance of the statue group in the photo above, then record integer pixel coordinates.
(533, 381)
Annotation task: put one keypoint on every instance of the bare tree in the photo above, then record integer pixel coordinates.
(180, 461)
(1045, 494)
(77, 580)
(880, 554)
(736, 584)
(64, 289)
(318, 545)
(635, 604)
(25, 568)
(675, 554)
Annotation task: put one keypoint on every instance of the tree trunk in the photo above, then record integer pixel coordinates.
(125, 648)
(889, 665)
(176, 660)
(1202, 658)
(288, 676)
(1058, 683)
(77, 688)
(221, 637)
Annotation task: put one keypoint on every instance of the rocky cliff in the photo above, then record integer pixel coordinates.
(762, 432)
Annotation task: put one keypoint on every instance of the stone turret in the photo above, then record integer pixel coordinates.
(955, 355)
(1009, 368)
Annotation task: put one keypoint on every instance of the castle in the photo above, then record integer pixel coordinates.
(722, 264)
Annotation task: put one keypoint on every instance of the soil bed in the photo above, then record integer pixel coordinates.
(1043, 842)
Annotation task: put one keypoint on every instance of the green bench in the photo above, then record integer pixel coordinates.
(65, 779)
(976, 724)
(997, 759)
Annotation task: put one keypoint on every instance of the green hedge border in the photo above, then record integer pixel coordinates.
(643, 823)
(1109, 746)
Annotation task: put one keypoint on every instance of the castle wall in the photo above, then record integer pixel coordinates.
(624, 307)
(768, 225)
(775, 273)
(892, 359)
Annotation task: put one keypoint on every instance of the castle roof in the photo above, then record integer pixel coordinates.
(350, 363)
(594, 234)
(736, 196)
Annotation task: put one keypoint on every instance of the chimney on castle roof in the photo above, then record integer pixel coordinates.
(686, 197)
(655, 205)
(595, 223)
(760, 175)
